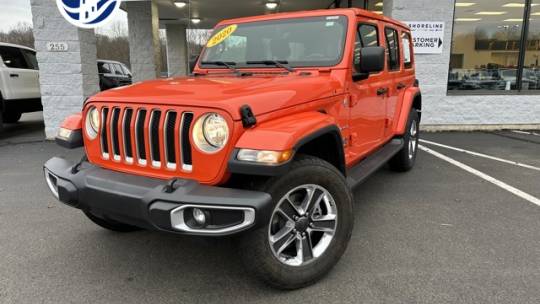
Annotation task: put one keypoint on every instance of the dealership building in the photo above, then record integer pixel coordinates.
(477, 61)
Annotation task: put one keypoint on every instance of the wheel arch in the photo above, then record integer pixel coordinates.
(412, 99)
(304, 133)
(328, 137)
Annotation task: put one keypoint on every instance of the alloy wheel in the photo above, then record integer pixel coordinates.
(303, 225)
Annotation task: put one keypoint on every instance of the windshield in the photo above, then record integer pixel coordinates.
(300, 42)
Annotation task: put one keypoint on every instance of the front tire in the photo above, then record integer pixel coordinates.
(111, 225)
(404, 160)
(309, 229)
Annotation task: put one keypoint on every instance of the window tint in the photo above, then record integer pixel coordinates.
(393, 49)
(31, 60)
(365, 36)
(103, 68)
(407, 50)
(13, 58)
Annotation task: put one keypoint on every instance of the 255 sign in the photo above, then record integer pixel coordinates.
(428, 36)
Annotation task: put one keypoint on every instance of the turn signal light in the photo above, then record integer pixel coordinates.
(264, 156)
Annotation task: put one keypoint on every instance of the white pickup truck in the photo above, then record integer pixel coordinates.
(19, 82)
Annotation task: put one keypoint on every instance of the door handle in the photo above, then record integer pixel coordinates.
(382, 91)
(14, 75)
(400, 86)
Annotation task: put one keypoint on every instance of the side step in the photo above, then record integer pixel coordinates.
(357, 174)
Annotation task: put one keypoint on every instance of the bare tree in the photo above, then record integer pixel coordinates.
(19, 34)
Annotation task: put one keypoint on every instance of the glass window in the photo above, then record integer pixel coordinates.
(301, 42)
(31, 60)
(486, 47)
(531, 71)
(13, 58)
(103, 68)
(407, 50)
(393, 49)
(365, 36)
(118, 69)
(127, 72)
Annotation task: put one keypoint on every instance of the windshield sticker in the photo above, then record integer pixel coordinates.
(332, 17)
(220, 36)
(328, 24)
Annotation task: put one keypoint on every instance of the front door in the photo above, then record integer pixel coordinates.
(368, 98)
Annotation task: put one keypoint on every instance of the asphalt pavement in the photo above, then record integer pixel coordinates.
(437, 234)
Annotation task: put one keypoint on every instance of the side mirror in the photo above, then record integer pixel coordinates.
(372, 60)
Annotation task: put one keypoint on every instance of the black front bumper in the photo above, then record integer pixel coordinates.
(148, 203)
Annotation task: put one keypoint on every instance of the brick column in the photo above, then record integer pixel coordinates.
(431, 69)
(66, 78)
(177, 50)
(144, 45)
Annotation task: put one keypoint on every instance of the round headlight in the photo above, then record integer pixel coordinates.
(211, 133)
(92, 122)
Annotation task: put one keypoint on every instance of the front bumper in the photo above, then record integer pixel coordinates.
(155, 204)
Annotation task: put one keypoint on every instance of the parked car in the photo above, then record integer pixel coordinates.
(113, 74)
(267, 148)
(19, 82)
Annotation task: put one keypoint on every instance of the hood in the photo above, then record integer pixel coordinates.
(263, 92)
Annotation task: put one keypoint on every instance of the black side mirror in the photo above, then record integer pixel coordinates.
(372, 60)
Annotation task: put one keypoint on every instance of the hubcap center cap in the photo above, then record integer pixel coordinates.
(301, 224)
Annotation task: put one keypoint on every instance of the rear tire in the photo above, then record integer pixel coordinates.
(306, 238)
(111, 225)
(404, 160)
(12, 116)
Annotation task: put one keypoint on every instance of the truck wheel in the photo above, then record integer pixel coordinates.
(404, 160)
(110, 225)
(12, 116)
(309, 228)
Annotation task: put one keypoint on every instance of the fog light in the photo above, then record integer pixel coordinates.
(199, 216)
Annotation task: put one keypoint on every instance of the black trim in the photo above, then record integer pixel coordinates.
(248, 118)
(251, 168)
(523, 45)
(142, 201)
(74, 141)
(23, 105)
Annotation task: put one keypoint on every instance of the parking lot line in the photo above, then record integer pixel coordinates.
(482, 175)
(481, 155)
(525, 132)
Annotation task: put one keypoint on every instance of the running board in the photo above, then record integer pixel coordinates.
(357, 174)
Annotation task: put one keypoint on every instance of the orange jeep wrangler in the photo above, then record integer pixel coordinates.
(283, 116)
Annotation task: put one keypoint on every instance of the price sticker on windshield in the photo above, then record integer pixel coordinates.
(220, 36)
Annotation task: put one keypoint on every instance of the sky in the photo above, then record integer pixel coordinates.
(15, 11)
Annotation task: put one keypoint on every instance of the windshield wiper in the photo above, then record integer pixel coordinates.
(227, 64)
(230, 65)
(279, 63)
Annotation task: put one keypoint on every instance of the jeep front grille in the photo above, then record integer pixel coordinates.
(149, 137)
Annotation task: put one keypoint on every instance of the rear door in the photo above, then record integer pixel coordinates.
(404, 79)
(368, 97)
(395, 69)
(32, 73)
(17, 75)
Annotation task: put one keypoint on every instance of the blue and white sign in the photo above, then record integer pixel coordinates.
(88, 13)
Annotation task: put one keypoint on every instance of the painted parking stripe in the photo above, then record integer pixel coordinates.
(484, 176)
(481, 155)
(527, 133)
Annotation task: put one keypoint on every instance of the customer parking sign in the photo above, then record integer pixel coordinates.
(428, 36)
